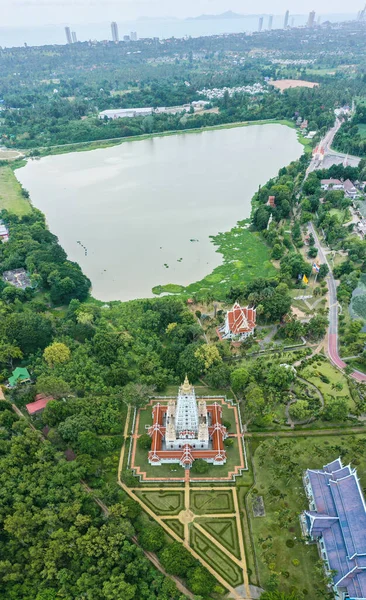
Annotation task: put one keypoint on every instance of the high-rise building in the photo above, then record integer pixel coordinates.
(114, 29)
(292, 21)
(133, 36)
(311, 19)
(270, 22)
(68, 35)
(260, 24)
(285, 25)
(73, 37)
(126, 38)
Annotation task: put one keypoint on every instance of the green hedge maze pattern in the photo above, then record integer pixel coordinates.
(163, 502)
(224, 531)
(229, 570)
(212, 501)
(176, 526)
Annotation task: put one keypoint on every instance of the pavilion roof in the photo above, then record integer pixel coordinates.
(340, 518)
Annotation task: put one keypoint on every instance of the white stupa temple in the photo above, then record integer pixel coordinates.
(186, 429)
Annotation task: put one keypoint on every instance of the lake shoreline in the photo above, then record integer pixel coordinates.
(193, 206)
(109, 143)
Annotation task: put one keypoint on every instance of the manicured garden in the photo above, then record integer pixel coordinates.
(329, 380)
(224, 530)
(164, 470)
(216, 558)
(163, 502)
(176, 526)
(213, 501)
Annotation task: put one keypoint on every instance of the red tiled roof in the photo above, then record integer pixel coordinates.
(187, 454)
(39, 404)
(330, 182)
(241, 319)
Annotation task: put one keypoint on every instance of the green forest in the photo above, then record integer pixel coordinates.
(68, 530)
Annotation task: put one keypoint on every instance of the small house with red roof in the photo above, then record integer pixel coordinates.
(40, 403)
(239, 323)
(271, 201)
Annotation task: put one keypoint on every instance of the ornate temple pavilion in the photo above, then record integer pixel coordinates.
(239, 323)
(186, 429)
(337, 521)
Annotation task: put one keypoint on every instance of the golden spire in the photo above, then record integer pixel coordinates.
(186, 387)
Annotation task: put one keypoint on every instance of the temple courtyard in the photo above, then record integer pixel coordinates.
(202, 511)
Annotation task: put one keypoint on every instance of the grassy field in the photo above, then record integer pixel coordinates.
(163, 502)
(216, 558)
(11, 197)
(214, 501)
(224, 531)
(279, 465)
(329, 71)
(245, 257)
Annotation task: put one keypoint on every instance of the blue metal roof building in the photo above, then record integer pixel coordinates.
(337, 520)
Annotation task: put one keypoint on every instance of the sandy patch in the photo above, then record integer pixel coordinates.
(10, 154)
(285, 84)
(186, 516)
(298, 313)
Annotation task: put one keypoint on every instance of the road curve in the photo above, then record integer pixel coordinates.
(333, 312)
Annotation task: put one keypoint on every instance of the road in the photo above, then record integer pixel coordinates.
(323, 149)
(333, 312)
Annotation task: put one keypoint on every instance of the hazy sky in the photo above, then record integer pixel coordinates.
(42, 12)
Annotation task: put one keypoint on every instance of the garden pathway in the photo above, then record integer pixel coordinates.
(312, 432)
(290, 420)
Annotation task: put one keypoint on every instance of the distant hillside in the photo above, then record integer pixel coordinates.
(229, 14)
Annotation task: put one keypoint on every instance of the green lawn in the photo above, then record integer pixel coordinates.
(163, 502)
(176, 471)
(10, 193)
(165, 470)
(245, 257)
(216, 558)
(224, 530)
(212, 501)
(279, 465)
(145, 418)
(322, 369)
(330, 71)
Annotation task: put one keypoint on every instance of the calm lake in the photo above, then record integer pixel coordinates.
(128, 214)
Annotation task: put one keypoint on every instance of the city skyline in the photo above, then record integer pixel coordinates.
(24, 13)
